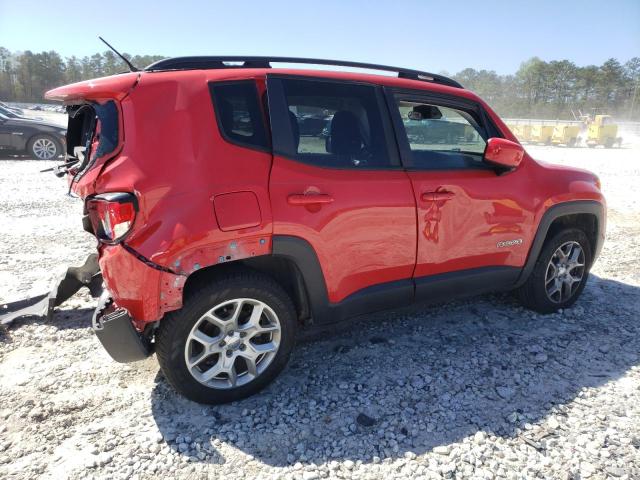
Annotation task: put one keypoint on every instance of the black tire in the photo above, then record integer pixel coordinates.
(48, 140)
(533, 294)
(174, 329)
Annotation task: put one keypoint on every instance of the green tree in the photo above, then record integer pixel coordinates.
(6, 74)
(73, 72)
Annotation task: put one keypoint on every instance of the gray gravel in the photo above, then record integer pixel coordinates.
(478, 388)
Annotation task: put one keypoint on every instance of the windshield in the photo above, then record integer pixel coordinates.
(8, 113)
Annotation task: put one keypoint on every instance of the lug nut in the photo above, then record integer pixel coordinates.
(243, 334)
(243, 347)
(229, 353)
(222, 344)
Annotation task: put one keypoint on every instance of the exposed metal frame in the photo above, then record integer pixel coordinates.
(215, 62)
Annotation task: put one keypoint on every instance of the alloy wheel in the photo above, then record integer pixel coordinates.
(44, 149)
(233, 343)
(565, 272)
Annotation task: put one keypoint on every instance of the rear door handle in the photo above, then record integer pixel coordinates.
(440, 195)
(309, 199)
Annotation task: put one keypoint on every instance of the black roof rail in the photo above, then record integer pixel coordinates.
(206, 63)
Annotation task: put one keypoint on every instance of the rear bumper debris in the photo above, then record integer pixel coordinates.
(114, 328)
(88, 275)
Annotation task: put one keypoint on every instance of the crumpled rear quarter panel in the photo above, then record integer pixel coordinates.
(145, 292)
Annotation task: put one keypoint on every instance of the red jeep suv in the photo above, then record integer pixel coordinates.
(235, 203)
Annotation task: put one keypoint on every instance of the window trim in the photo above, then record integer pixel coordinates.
(395, 95)
(259, 103)
(282, 136)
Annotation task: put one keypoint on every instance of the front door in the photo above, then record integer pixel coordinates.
(472, 222)
(336, 183)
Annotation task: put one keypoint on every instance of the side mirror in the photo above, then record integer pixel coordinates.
(503, 153)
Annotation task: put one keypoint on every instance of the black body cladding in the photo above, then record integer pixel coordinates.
(430, 289)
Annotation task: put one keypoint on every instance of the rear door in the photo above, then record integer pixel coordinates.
(471, 219)
(336, 182)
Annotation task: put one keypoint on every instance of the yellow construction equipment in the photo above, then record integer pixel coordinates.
(521, 131)
(602, 131)
(564, 134)
(542, 134)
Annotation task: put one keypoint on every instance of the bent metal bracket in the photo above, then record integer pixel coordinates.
(88, 275)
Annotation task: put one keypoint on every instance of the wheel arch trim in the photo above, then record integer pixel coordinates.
(589, 207)
(300, 252)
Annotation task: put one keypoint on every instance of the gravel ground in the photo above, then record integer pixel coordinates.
(478, 388)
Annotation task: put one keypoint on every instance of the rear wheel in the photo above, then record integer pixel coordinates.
(560, 273)
(231, 338)
(43, 147)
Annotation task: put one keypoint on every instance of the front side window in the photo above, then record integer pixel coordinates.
(240, 119)
(336, 125)
(442, 138)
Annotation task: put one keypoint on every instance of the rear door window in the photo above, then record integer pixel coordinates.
(337, 124)
(240, 119)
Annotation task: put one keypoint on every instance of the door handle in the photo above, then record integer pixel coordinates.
(437, 196)
(309, 199)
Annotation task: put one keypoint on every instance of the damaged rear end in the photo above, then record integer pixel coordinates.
(106, 176)
(95, 139)
(95, 132)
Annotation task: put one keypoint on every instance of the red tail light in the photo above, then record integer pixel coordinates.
(112, 215)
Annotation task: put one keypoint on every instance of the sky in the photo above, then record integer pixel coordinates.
(437, 36)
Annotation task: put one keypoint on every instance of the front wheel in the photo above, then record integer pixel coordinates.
(43, 147)
(231, 338)
(560, 273)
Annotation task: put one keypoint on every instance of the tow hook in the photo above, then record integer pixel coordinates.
(88, 275)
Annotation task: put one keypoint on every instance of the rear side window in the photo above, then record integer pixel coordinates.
(337, 125)
(238, 113)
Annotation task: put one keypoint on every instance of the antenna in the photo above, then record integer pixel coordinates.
(124, 59)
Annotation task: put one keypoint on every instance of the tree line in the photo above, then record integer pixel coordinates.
(25, 76)
(558, 89)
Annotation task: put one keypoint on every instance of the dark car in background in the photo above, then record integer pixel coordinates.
(39, 139)
(15, 113)
(15, 110)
